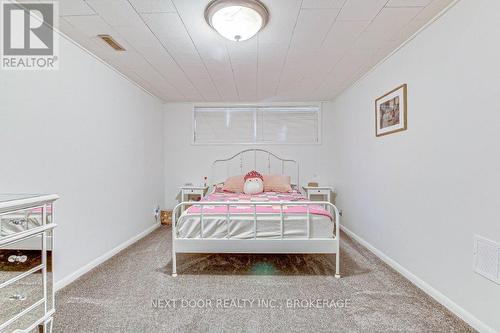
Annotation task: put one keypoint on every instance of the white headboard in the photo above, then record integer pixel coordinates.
(260, 160)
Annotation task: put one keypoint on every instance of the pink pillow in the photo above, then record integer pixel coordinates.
(277, 183)
(234, 184)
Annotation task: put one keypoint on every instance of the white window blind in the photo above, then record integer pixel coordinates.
(258, 125)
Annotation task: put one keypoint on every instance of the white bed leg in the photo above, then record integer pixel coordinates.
(337, 235)
(337, 263)
(174, 254)
(337, 274)
(174, 265)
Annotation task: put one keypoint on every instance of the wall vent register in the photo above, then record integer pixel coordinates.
(487, 258)
(112, 42)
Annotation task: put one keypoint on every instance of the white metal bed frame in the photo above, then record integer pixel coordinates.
(256, 245)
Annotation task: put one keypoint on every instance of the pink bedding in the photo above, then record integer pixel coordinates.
(235, 198)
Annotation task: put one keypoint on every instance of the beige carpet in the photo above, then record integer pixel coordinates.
(134, 292)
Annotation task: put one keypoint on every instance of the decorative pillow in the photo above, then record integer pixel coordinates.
(277, 183)
(234, 184)
(254, 183)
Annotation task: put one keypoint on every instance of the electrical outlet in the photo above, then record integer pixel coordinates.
(156, 212)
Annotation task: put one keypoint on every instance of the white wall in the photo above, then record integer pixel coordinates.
(185, 162)
(419, 196)
(89, 135)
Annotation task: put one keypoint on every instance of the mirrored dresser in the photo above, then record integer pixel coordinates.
(26, 257)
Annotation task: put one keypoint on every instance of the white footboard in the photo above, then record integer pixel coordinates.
(229, 244)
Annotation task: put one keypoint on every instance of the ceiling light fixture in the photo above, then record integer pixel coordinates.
(237, 20)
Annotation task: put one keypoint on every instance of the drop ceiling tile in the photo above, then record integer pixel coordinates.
(409, 30)
(152, 82)
(247, 54)
(371, 39)
(323, 3)
(271, 56)
(350, 64)
(162, 61)
(74, 7)
(140, 37)
(90, 26)
(280, 27)
(246, 83)
(191, 14)
(361, 9)
(340, 40)
(133, 75)
(385, 49)
(343, 34)
(131, 59)
(169, 69)
(408, 3)
(222, 76)
(244, 63)
(274, 43)
(289, 78)
(392, 20)
(71, 31)
(325, 64)
(116, 12)
(270, 61)
(168, 27)
(266, 84)
(170, 30)
(210, 46)
(91, 46)
(312, 27)
(153, 6)
(433, 9)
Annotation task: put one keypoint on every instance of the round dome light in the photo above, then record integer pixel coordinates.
(236, 20)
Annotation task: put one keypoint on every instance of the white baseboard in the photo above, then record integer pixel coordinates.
(99, 260)
(428, 289)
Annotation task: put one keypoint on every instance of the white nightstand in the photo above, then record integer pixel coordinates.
(187, 191)
(324, 191)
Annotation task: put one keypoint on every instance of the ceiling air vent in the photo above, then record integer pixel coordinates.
(111, 42)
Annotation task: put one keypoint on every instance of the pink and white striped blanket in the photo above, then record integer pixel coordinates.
(237, 198)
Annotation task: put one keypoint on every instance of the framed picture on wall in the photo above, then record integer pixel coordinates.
(390, 112)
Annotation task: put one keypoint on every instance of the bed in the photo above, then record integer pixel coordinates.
(269, 222)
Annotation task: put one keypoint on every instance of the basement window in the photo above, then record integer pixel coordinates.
(257, 125)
